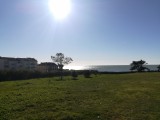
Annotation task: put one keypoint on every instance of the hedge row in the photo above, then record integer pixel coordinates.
(22, 75)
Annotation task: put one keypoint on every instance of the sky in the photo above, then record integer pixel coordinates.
(96, 32)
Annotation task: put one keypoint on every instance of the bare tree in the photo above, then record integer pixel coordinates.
(61, 60)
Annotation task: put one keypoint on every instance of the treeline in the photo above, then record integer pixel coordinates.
(23, 75)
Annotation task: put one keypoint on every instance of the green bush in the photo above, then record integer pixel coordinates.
(87, 74)
(74, 75)
(22, 75)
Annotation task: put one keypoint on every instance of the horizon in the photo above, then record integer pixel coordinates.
(93, 32)
(70, 65)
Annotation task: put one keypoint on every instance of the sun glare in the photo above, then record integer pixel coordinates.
(74, 67)
(60, 8)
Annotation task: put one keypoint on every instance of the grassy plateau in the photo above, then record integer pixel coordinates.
(133, 96)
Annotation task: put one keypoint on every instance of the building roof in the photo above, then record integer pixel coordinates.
(18, 59)
(47, 64)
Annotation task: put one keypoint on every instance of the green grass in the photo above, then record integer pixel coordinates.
(103, 97)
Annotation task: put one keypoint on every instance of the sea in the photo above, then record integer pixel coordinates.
(108, 68)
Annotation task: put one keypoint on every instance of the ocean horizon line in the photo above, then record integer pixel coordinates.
(108, 65)
(108, 68)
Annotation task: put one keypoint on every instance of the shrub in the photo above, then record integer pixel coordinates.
(87, 74)
(74, 75)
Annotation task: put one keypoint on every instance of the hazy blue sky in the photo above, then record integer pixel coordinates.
(96, 31)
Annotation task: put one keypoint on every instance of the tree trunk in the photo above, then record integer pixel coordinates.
(61, 70)
(61, 74)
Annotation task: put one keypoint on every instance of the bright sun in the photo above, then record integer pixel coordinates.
(60, 8)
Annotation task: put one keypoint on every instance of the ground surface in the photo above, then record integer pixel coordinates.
(103, 97)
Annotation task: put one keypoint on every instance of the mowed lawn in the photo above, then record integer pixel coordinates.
(133, 96)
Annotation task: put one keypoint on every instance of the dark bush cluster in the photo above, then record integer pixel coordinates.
(87, 73)
(22, 75)
(74, 75)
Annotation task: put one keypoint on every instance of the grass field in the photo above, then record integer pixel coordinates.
(103, 97)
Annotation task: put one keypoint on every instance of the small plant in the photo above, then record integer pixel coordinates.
(74, 75)
(158, 68)
(87, 74)
(95, 72)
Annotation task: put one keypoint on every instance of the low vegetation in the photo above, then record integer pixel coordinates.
(74, 75)
(133, 96)
(21, 75)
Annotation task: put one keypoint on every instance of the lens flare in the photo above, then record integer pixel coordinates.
(60, 8)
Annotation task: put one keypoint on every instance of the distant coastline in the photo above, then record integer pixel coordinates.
(109, 68)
